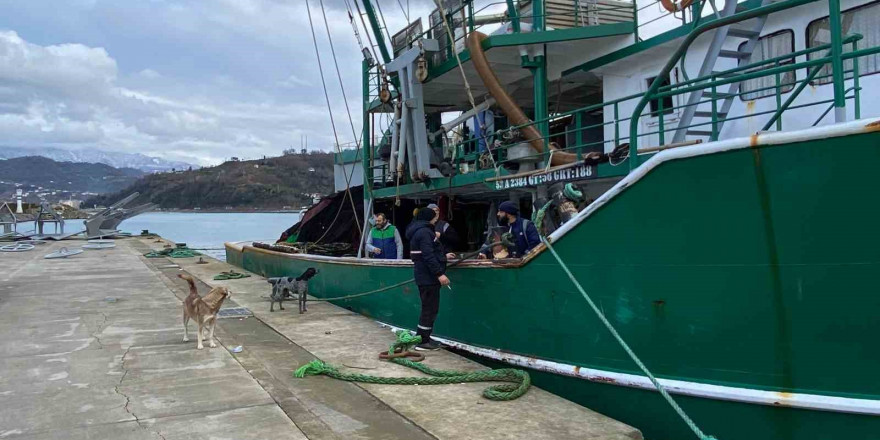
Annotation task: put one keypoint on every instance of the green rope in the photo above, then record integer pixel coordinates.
(693, 426)
(182, 252)
(572, 193)
(231, 275)
(519, 379)
(381, 289)
(538, 217)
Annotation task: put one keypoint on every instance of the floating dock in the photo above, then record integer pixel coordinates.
(92, 348)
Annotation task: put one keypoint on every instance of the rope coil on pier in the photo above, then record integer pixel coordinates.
(519, 380)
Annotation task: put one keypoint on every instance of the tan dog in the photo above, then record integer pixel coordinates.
(203, 310)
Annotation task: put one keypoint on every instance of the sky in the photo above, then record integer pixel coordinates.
(192, 80)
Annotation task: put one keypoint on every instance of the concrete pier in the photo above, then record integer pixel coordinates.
(92, 348)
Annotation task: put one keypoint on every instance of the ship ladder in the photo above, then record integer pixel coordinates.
(749, 35)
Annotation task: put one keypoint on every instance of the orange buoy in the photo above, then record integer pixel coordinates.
(672, 6)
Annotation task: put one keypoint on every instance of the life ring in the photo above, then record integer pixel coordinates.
(672, 6)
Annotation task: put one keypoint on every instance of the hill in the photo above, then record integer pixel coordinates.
(272, 183)
(114, 159)
(41, 175)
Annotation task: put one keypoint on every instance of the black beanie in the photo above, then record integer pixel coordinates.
(426, 215)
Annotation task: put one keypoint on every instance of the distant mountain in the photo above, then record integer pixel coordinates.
(39, 175)
(272, 183)
(117, 160)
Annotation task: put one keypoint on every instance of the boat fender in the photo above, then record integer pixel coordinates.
(672, 6)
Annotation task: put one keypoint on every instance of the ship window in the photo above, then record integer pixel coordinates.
(864, 20)
(768, 47)
(655, 103)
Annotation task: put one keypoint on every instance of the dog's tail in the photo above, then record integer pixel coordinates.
(192, 284)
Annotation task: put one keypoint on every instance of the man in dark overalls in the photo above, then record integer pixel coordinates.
(429, 268)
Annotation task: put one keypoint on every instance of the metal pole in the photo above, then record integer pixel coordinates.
(514, 16)
(836, 61)
(778, 98)
(635, 22)
(366, 229)
(540, 73)
(857, 104)
(366, 152)
(377, 31)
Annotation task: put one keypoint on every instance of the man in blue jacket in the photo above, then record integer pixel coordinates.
(525, 234)
(384, 241)
(429, 268)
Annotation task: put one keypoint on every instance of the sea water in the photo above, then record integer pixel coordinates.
(210, 230)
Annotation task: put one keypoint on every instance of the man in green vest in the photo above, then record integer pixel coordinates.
(384, 241)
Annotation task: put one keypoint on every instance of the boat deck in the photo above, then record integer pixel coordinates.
(92, 349)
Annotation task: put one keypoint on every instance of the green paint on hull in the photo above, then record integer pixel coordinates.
(753, 268)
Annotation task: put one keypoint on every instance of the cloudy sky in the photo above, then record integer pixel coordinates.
(191, 80)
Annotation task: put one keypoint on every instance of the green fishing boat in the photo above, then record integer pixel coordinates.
(703, 172)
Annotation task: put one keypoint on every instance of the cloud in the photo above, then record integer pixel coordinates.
(183, 80)
(149, 74)
(71, 95)
(293, 81)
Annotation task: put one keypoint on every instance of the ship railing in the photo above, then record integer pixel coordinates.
(776, 67)
(654, 92)
(559, 14)
(615, 128)
(652, 18)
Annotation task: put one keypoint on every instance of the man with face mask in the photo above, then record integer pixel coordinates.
(525, 234)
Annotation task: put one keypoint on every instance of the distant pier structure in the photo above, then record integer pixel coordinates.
(18, 208)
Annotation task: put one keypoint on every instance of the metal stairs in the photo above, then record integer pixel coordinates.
(702, 111)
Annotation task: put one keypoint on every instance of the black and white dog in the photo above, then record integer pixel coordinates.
(286, 287)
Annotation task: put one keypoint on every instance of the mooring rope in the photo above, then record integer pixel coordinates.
(519, 380)
(693, 426)
(180, 252)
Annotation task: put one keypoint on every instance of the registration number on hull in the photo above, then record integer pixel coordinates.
(579, 172)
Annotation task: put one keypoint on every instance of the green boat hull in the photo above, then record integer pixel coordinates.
(753, 269)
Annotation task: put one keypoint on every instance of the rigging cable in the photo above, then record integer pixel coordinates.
(405, 13)
(339, 76)
(333, 126)
(366, 29)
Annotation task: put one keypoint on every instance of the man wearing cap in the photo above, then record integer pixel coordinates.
(445, 233)
(525, 234)
(429, 270)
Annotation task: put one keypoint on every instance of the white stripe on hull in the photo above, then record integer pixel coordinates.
(717, 392)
